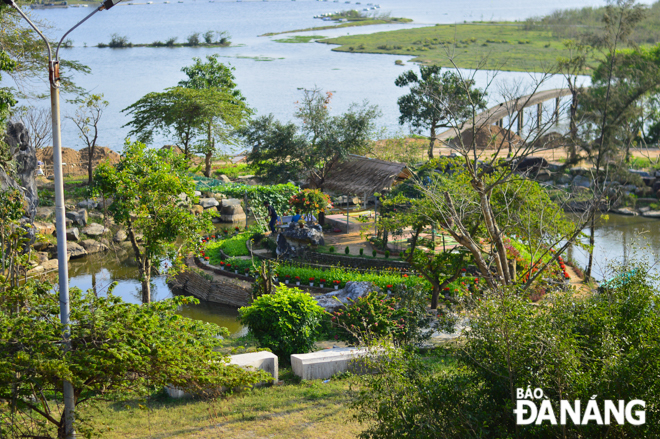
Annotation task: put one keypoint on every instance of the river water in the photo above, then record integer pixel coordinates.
(125, 75)
(270, 74)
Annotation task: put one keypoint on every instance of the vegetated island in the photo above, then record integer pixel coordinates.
(347, 19)
(196, 39)
(532, 45)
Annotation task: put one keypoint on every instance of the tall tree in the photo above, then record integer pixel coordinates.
(178, 112)
(221, 126)
(620, 19)
(147, 186)
(435, 99)
(572, 67)
(86, 119)
(285, 151)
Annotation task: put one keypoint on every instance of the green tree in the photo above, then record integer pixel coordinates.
(436, 99)
(148, 186)
(605, 344)
(86, 119)
(611, 98)
(572, 67)
(26, 50)
(116, 349)
(178, 112)
(282, 152)
(220, 126)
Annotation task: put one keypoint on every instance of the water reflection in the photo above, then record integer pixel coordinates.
(98, 271)
(620, 238)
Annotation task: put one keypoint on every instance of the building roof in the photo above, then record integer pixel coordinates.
(358, 175)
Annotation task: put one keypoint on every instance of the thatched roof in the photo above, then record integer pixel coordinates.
(358, 175)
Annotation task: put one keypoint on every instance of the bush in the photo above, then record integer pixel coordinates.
(118, 42)
(332, 249)
(604, 344)
(347, 250)
(287, 322)
(372, 317)
(387, 254)
(374, 253)
(361, 252)
(193, 39)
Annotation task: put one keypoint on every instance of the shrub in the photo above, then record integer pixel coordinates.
(361, 252)
(370, 318)
(287, 322)
(374, 253)
(117, 42)
(387, 253)
(332, 249)
(193, 39)
(347, 250)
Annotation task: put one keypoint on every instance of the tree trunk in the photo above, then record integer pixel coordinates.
(573, 127)
(209, 152)
(432, 141)
(90, 171)
(322, 218)
(207, 161)
(385, 238)
(435, 296)
(592, 240)
(145, 276)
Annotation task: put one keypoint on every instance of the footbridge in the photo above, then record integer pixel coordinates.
(514, 110)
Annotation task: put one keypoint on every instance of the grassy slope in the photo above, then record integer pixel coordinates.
(516, 49)
(309, 409)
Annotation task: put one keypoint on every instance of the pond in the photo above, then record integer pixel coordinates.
(98, 271)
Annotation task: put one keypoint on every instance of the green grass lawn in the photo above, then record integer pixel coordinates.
(498, 46)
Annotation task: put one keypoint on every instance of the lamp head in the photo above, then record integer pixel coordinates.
(107, 4)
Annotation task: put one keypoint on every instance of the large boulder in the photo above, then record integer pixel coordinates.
(340, 298)
(92, 246)
(25, 157)
(44, 228)
(88, 204)
(79, 217)
(207, 203)
(224, 178)
(581, 181)
(305, 235)
(95, 229)
(75, 250)
(47, 212)
(72, 234)
(531, 164)
(232, 214)
(120, 236)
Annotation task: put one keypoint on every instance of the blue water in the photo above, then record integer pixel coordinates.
(125, 75)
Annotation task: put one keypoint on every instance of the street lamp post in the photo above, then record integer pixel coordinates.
(60, 217)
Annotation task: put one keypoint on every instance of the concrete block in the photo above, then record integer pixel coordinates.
(323, 364)
(266, 361)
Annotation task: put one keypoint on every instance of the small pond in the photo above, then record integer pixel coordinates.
(98, 271)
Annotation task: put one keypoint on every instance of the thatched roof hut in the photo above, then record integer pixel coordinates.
(359, 175)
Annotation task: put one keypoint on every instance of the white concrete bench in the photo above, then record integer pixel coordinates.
(266, 361)
(324, 364)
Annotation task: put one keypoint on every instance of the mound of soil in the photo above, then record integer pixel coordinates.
(75, 162)
(489, 137)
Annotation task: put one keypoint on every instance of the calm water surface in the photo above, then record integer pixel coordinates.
(125, 75)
